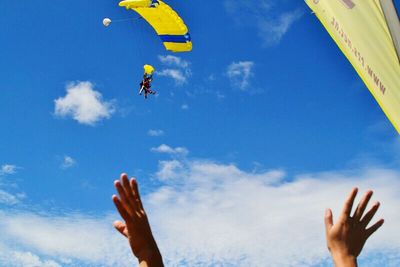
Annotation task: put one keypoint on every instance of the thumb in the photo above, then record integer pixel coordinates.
(328, 220)
(121, 227)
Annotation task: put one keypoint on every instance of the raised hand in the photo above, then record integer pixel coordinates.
(136, 226)
(346, 238)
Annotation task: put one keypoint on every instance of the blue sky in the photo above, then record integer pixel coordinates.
(265, 96)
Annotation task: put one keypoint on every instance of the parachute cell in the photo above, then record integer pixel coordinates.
(165, 21)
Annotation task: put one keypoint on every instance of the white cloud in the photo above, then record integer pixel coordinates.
(68, 162)
(271, 24)
(273, 31)
(178, 69)
(216, 214)
(84, 104)
(155, 133)
(212, 214)
(185, 107)
(8, 169)
(66, 240)
(170, 60)
(240, 74)
(177, 75)
(25, 259)
(169, 150)
(7, 198)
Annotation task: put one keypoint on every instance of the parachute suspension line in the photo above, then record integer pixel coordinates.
(141, 44)
(129, 19)
(107, 21)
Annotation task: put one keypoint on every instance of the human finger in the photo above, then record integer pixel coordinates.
(348, 205)
(328, 220)
(362, 206)
(124, 199)
(128, 191)
(370, 214)
(121, 227)
(375, 227)
(121, 209)
(135, 189)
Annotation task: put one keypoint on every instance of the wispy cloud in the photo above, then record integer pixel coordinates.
(177, 75)
(155, 133)
(177, 69)
(83, 104)
(272, 31)
(165, 149)
(8, 169)
(6, 197)
(175, 61)
(240, 74)
(68, 162)
(185, 107)
(266, 16)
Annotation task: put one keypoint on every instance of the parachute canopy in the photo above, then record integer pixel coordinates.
(148, 69)
(368, 33)
(165, 21)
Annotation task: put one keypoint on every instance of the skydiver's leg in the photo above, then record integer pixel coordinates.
(141, 88)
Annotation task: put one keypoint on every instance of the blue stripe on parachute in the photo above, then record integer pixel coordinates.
(176, 38)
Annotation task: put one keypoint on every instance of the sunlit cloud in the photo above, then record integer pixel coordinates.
(218, 214)
(175, 61)
(83, 104)
(177, 75)
(206, 214)
(165, 149)
(176, 68)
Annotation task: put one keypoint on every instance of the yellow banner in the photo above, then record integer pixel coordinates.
(360, 29)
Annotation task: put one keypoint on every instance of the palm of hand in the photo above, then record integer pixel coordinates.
(348, 236)
(136, 227)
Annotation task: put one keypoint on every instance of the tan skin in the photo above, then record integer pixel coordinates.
(136, 227)
(346, 238)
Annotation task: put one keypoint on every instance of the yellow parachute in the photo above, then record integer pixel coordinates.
(148, 70)
(368, 33)
(165, 21)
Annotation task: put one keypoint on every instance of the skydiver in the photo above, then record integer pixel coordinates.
(145, 85)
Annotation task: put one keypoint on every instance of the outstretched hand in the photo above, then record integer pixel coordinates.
(346, 238)
(136, 226)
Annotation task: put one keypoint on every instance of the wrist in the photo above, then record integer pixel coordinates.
(151, 258)
(344, 260)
